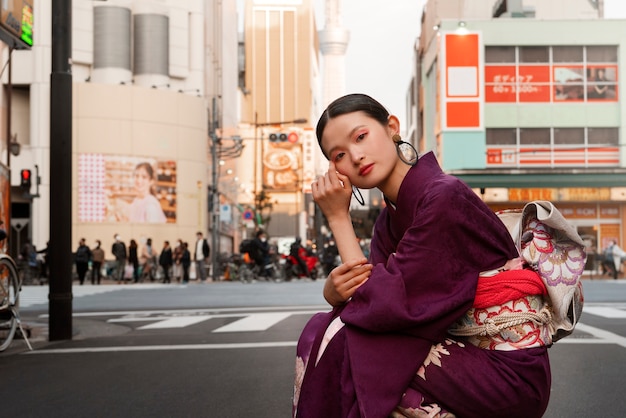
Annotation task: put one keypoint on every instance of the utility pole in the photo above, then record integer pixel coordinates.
(60, 248)
(214, 193)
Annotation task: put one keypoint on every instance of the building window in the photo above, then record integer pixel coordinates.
(534, 54)
(500, 54)
(534, 136)
(569, 136)
(603, 136)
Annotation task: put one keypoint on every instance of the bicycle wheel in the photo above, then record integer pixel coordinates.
(9, 299)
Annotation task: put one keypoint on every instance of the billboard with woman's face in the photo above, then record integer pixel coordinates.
(126, 189)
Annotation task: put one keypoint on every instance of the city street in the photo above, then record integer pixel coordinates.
(227, 350)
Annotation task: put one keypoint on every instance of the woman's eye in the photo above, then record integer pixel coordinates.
(360, 137)
(339, 156)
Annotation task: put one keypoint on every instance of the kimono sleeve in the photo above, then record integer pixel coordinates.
(430, 280)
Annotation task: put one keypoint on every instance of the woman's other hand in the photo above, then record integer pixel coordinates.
(345, 279)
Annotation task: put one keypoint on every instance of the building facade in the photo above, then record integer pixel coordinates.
(146, 74)
(524, 107)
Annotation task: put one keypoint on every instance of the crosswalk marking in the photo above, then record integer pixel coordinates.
(605, 311)
(176, 322)
(254, 322)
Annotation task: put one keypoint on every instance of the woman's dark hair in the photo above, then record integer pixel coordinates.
(348, 104)
(148, 167)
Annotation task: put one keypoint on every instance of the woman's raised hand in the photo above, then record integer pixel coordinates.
(345, 279)
(332, 192)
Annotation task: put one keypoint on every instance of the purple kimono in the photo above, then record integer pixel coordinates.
(388, 352)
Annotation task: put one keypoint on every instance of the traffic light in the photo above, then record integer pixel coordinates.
(284, 137)
(25, 180)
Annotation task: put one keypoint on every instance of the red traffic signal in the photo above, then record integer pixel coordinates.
(25, 179)
(284, 137)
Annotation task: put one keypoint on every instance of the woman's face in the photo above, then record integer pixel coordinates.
(143, 182)
(361, 148)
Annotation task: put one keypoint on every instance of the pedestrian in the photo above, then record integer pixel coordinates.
(133, 259)
(97, 258)
(185, 262)
(612, 258)
(148, 260)
(44, 261)
(177, 268)
(201, 256)
(118, 249)
(165, 261)
(82, 257)
(386, 349)
(260, 253)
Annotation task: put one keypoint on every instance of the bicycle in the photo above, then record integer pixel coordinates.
(10, 286)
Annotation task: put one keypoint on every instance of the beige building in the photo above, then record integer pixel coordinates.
(281, 86)
(145, 76)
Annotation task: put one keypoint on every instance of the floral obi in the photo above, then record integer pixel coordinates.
(513, 325)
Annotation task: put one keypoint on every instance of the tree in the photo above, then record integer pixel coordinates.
(262, 208)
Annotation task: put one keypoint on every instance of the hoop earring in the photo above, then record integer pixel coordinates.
(406, 152)
(358, 196)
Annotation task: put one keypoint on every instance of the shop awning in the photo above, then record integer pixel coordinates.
(543, 178)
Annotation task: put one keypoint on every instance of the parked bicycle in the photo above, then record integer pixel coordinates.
(10, 286)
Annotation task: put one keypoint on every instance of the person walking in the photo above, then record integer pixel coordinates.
(97, 258)
(201, 256)
(118, 249)
(133, 259)
(613, 255)
(177, 268)
(185, 261)
(81, 259)
(165, 261)
(148, 260)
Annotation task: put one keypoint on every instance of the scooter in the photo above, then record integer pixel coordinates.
(292, 269)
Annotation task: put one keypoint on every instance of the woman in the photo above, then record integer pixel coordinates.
(384, 350)
(97, 258)
(145, 207)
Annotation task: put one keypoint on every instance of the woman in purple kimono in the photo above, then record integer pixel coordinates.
(385, 349)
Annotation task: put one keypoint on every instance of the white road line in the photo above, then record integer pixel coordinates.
(176, 322)
(605, 311)
(254, 322)
(602, 336)
(163, 348)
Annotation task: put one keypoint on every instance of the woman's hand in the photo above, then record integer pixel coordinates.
(345, 279)
(332, 193)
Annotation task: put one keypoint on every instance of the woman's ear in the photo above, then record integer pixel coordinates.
(393, 124)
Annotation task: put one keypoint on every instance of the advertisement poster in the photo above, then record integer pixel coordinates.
(126, 189)
(282, 166)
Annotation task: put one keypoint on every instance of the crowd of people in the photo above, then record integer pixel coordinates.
(134, 263)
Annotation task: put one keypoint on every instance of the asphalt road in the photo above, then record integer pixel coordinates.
(227, 350)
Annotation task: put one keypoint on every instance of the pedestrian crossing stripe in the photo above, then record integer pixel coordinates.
(246, 322)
